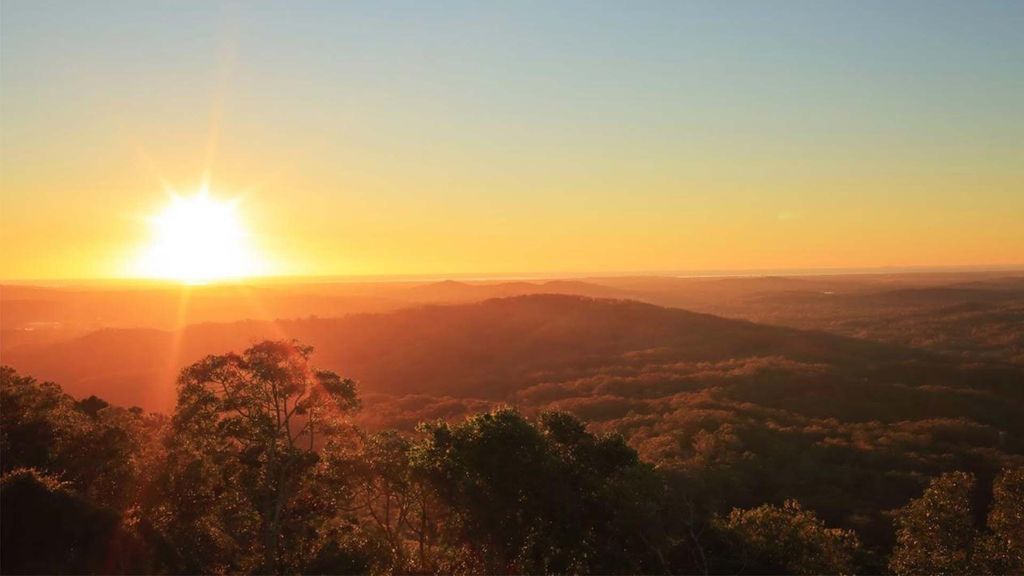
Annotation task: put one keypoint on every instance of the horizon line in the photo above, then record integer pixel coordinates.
(523, 276)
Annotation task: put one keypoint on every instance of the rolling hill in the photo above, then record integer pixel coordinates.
(492, 350)
(760, 413)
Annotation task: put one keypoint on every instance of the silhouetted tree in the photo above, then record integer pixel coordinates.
(48, 528)
(541, 498)
(38, 422)
(97, 448)
(244, 438)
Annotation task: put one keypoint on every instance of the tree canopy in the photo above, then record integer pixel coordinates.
(260, 469)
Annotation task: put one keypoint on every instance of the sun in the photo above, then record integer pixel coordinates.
(198, 239)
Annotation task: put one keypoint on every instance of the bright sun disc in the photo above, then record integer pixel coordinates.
(196, 240)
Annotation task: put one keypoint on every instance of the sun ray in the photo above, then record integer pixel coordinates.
(167, 388)
(256, 304)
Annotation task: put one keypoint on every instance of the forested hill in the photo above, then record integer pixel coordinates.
(498, 348)
(738, 414)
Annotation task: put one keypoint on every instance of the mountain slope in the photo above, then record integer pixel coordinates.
(849, 427)
(492, 350)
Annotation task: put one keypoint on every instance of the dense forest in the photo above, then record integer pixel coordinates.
(266, 466)
(847, 424)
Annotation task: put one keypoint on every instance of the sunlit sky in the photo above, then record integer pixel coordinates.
(518, 137)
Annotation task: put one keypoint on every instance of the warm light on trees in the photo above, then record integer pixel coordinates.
(249, 425)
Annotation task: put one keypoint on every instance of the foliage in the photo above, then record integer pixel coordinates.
(101, 450)
(789, 540)
(261, 469)
(48, 528)
(385, 499)
(1005, 545)
(937, 532)
(746, 413)
(545, 497)
(243, 442)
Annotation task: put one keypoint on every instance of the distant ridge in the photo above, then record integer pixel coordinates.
(488, 349)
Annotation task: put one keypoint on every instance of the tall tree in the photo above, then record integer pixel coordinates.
(245, 434)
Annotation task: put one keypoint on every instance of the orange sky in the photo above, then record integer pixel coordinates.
(517, 140)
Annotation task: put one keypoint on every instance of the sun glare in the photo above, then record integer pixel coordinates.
(198, 239)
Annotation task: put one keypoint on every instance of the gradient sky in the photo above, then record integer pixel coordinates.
(544, 137)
